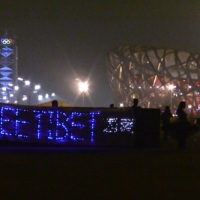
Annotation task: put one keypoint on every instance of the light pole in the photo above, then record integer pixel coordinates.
(83, 89)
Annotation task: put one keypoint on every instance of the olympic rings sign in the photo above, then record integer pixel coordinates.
(6, 41)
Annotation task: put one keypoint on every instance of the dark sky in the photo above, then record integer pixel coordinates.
(60, 40)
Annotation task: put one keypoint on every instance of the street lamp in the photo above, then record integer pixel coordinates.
(83, 89)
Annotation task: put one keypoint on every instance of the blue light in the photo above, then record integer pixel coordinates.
(7, 49)
(6, 54)
(60, 125)
(7, 63)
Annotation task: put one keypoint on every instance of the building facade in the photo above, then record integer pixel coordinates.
(157, 77)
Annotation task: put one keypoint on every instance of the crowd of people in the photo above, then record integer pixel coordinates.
(181, 127)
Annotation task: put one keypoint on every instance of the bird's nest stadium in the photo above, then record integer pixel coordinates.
(157, 77)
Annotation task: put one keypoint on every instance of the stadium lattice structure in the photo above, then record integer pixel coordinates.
(157, 77)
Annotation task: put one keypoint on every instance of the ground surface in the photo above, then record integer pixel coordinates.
(73, 173)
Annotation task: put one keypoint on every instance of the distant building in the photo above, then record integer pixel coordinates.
(156, 77)
(8, 67)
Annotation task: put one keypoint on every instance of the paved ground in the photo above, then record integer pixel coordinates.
(75, 173)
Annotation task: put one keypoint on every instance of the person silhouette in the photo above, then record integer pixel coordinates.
(165, 118)
(182, 125)
(112, 105)
(54, 103)
(135, 103)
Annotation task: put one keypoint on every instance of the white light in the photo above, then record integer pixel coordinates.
(16, 87)
(24, 98)
(27, 82)
(121, 105)
(53, 94)
(20, 79)
(40, 97)
(11, 95)
(171, 87)
(4, 88)
(83, 87)
(37, 87)
(4, 97)
(46, 96)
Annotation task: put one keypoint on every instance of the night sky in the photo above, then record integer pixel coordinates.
(59, 41)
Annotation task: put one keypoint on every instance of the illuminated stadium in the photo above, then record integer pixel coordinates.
(157, 77)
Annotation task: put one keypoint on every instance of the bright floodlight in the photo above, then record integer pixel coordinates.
(37, 87)
(20, 79)
(171, 87)
(83, 87)
(24, 98)
(27, 82)
(16, 87)
(40, 97)
(4, 88)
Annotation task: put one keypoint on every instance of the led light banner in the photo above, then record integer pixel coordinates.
(65, 125)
